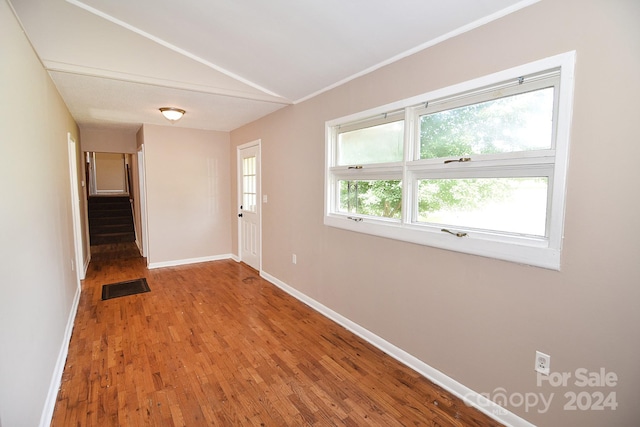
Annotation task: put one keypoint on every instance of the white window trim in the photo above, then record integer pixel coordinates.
(541, 252)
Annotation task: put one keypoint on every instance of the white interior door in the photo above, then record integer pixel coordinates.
(249, 196)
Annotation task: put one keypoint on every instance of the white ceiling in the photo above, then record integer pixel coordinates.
(227, 62)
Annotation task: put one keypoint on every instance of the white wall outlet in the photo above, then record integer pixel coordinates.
(294, 259)
(264, 198)
(543, 362)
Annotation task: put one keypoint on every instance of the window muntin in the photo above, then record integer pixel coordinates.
(538, 157)
(518, 122)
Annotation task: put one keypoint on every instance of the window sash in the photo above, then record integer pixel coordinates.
(491, 214)
(522, 85)
(526, 83)
(359, 192)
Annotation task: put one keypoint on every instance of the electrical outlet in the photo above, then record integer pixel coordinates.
(543, 362)
(294, 259)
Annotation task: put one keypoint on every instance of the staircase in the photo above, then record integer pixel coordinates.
(110, 220)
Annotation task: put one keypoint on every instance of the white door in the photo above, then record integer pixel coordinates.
(249, 197)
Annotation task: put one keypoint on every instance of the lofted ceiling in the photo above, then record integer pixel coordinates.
(226, 62)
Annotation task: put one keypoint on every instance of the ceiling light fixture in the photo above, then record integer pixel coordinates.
(172, 114)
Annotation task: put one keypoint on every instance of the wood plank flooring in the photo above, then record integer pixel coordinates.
(214, 344)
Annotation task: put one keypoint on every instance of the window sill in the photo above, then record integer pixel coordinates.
(523, 250)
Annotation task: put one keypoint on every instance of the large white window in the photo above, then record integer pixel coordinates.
(479, 167)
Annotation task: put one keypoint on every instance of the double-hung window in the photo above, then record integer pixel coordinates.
(479, 167)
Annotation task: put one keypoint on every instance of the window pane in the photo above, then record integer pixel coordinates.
(512, 205)
(372, 197)
(520, 122)
(249, 184)
(375, 144)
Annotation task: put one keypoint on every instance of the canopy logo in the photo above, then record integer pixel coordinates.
(598, 395)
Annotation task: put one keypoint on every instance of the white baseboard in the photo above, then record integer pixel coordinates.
(175, 263)
(469, 396)
(56, 378)
(86, 265)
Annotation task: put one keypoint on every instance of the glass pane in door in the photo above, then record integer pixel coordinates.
(249, 184)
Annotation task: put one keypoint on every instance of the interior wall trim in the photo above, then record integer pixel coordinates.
(56, 379)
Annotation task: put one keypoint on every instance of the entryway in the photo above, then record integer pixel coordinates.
(250, 198)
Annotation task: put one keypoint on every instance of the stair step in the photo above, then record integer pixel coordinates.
(107, 199)
(107, 205)
(110, 207)
(110, 213)
(103, 239)
(100, 203)
(110, 220)
(111, 228)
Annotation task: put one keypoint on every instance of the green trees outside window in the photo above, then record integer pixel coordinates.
(521, 122)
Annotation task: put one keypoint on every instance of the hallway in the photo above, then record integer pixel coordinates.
(214, 344)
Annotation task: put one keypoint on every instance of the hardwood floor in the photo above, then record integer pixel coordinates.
(214, 344)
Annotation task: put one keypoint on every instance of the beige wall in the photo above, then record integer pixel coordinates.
(187, 183)
(110, 173)
(37, 284)
(480, 320)
(108, 140)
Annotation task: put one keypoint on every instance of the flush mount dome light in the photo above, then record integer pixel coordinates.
(172, 114)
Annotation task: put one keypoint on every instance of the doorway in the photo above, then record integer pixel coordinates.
(250, 212)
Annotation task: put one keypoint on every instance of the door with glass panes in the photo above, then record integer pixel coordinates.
(249, 232)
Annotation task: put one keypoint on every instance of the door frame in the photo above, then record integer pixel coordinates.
(142, 188)
(78, 244)
(257, 143)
